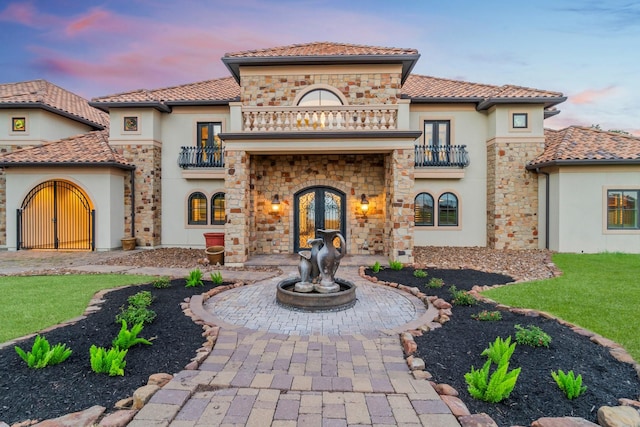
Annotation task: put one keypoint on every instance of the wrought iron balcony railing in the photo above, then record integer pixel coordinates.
(442, 155)
(201, 157)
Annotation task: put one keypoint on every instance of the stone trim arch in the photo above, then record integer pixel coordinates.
(320, 86)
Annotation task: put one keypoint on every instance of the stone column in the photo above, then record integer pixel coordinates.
(148, 193)
(512, 195)
(237, 230)
(399, 177)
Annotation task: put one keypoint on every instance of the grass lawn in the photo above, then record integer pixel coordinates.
(32, 303)
(599, 292)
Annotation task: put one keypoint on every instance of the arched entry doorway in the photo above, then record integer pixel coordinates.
(56, 215)
(317, 208)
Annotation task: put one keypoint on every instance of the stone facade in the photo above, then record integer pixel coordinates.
(399, 182)
(359, 89)
(352, 175)
(512, 195)
(148, 194)
(238, 207)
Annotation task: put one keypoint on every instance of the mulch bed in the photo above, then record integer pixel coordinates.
(451, 350)
(72, 386)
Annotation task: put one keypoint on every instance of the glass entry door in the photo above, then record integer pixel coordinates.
(317, 208)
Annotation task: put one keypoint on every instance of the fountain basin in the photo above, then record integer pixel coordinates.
(315, 301)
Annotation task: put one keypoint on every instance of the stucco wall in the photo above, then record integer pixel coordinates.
(468, 127)
(578, 206)
(41, 126)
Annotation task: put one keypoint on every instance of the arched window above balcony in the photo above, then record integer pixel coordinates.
(320, 98)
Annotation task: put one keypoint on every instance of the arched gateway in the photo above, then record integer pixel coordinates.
(56, 215)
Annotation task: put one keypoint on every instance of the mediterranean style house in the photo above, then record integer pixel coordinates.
(311, 136)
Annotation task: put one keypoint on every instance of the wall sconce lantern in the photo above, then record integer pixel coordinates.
(364, 204)
(275, 203)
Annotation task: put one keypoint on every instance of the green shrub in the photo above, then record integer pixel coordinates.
(43, 355)
(108, 362)
(141, 299)
(161, 283)
(134, 315)
(376, 267)
(194, 279)
(492, 389)
(128, 338)
(532, 335)
(395, 265)
(498, 349)
(216, 278)
(489, 316)
(435, 282)
(569, 384)
(461, 297)
(420, 274)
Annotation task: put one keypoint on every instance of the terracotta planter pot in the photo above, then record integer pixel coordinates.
(128, 243)
(214, 239)
(215, 254)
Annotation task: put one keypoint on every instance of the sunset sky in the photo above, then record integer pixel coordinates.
(589, 50)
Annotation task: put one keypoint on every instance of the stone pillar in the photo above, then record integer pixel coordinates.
(512, 195)
(148, 193)
(4, 149)
(399, 177)
(237, 229)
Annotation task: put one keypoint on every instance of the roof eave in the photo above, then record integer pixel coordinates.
(550, 113)
(43, 106)
(105, 106)
(583, 162)
(443, 99)
(408, 61)
(547, 101)
(201, 102)
(8, 165)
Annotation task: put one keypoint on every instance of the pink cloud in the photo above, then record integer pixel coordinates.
(23, 13)
(590, 96)
(95, 19)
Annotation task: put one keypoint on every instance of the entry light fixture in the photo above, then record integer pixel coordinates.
(275, 203)
(364, 203)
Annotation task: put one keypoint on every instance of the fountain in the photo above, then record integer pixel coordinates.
(317, 288)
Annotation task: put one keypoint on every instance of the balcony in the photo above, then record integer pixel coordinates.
(441, 156)
(201, 157)
(315, 119)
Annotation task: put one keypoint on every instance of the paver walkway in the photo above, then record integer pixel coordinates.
(259, 377)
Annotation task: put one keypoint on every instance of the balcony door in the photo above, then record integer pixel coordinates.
(317, 208)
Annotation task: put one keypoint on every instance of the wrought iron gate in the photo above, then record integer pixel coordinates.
(317, 207)
(56, 215)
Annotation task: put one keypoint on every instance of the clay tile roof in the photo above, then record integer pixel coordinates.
(89, 148)
(419, 86)
(577, 143)
(41, 93)
(321, 49)
(223, 89)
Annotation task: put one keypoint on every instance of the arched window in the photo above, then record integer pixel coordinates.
(217, 209)
(423, 209)
(448, 210)
(197, 209)
(319, 98)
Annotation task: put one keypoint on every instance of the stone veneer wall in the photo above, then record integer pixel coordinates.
(359, 89)
(148, 194)
(512, 195)
(286, 175)
(238, 207)
(399, 182)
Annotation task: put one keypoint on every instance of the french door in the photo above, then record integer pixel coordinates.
(317, 208)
